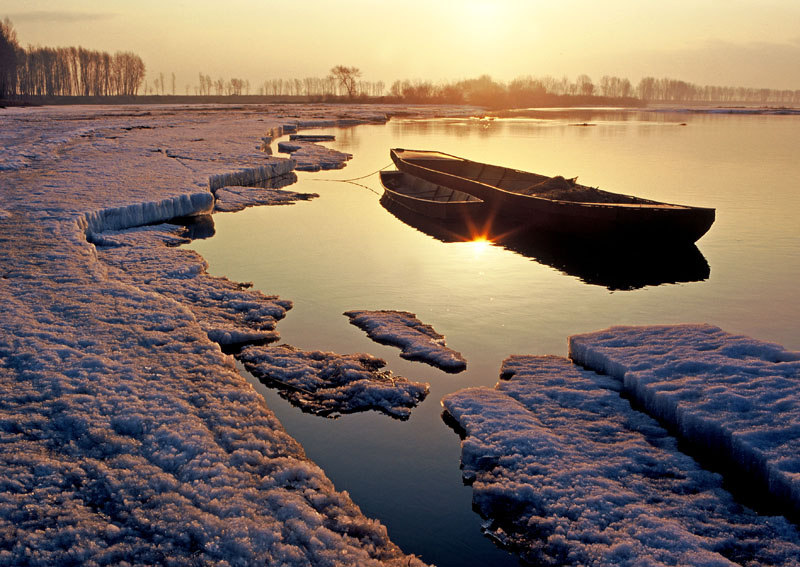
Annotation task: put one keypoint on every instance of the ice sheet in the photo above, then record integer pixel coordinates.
(127, 435)
(569, 474)
(734, 398)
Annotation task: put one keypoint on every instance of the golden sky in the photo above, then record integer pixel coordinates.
(753, 43)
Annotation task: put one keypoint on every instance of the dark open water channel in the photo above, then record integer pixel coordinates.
(345, 251)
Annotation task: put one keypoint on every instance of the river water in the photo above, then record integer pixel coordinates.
(344, 251)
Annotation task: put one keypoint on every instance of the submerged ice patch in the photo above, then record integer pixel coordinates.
(331, 384)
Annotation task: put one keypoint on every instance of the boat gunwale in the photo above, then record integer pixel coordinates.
(647, 204)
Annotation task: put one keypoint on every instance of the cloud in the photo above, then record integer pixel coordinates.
(756, 64)
(50, 17)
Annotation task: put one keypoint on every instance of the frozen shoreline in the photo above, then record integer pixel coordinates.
(128, 435)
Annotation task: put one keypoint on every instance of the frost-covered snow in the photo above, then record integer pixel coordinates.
(228, 312)
(126, 435)
(732, 397)
(569, 474)
(417, 340)
(330, 384)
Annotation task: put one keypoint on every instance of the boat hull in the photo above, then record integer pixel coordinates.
(428, 199)
(613, 267)
(637, 219)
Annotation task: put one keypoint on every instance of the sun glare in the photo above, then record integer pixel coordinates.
(479, 244)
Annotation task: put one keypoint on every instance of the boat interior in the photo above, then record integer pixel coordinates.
(411, 186)
(516, 181)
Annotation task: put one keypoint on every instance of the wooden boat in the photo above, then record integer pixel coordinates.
(429, 199)
(557, 204)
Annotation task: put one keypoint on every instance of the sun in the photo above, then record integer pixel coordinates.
(482, 12)
(483, 19)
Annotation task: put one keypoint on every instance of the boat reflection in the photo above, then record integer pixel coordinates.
(608, 264)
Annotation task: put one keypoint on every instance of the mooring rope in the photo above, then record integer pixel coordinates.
(355, 178)
(362, 185)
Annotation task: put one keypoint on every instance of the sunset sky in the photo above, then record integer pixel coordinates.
(753, 43)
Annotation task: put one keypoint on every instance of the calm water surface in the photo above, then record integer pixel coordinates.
(345, 251)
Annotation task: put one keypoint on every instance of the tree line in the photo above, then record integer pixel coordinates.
(546, 91)
(75, 71)
(673, 90)
(341, 82)
(64, 71)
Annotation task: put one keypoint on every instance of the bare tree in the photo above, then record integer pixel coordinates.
(347, 78)
(9, 58)
(584, 85)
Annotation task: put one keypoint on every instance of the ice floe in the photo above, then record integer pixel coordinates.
(733, 398)
(569, 474)
(417, 340)
(331, 384)
(312, 137)
(233, 198)
(310, 156)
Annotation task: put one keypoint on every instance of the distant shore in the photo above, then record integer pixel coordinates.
(555, 101)
(546, 101)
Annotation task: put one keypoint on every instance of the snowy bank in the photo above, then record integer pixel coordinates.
(734, 398)
(330, 384)
(417, 340)
(128, 436)
(569, 474)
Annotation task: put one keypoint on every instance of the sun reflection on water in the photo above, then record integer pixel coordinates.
(479, 244)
